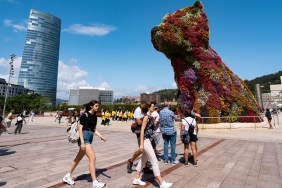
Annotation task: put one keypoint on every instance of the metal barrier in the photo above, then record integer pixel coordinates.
(226, 119)
(275, 120)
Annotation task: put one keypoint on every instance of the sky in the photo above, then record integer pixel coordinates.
(108, 44)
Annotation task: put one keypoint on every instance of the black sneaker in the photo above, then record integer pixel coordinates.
(186, 164)
(129, 166)
(195, 163)
(147, 170)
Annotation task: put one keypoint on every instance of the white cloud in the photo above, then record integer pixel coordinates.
(17, 27)
(4, 62)
(141, 88)
(5, 68)
(73, 61)
(136, 90)
(70, 77)
(104, 85)
(92, 30)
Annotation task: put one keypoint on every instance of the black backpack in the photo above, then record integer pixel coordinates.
(191, 127)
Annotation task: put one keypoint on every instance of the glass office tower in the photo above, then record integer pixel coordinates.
(39, 66)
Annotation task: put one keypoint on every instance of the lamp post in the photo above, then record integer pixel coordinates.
(11, 73)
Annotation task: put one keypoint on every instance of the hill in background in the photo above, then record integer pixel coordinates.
(265, 81)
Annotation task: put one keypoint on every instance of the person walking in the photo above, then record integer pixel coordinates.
(168, 132)
(24, 116)
(269, 118)
(9, 119)
(19, 124)
(32, 115)
(59, 117)
(87, 129)
(157, 130)
(146, 135)
(138, 117)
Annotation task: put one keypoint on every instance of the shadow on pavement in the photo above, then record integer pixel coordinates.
(88, 176)
(5, 151)
(2, 183)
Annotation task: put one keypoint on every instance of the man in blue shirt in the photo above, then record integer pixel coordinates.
(168, 132)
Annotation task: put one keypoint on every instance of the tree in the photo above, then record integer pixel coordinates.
(27, 102)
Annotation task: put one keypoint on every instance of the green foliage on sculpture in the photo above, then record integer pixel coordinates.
(203, 80)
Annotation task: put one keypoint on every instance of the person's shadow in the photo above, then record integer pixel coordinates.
(99, 171)
(2, 183)
(5, 151)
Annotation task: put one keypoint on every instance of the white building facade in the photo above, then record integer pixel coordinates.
(274, 98)
(83, 95)
(14, 89)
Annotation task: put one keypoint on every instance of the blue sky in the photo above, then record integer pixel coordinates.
(107, 43)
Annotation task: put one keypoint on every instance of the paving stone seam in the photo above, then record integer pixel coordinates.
(170, 169)
(234, 160)
(102, 170)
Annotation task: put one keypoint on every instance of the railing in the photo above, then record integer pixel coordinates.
(234, 119)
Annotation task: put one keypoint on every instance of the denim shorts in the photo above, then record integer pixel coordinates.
(87, 137)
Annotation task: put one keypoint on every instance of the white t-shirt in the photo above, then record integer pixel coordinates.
(156, 116)
(138, 113)
(192, 121)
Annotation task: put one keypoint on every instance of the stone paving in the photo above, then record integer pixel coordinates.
(41, 155)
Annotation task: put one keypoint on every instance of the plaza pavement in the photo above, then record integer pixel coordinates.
(241, 157)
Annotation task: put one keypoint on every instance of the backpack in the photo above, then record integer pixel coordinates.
(191, 127)
(73, 134)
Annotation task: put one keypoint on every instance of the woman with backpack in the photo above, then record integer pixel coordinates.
(189, 130)
(87, 129)
(146, 135)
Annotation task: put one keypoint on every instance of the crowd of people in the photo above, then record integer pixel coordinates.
(150, 125)
(20, 119)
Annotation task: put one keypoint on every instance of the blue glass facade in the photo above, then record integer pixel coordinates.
(39, 66)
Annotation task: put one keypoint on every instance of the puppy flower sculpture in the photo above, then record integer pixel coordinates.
(204, 81)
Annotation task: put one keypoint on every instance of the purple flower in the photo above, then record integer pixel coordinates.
(189, 75)
(185, 100)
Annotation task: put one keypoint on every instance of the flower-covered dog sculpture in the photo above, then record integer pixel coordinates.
(204, 81)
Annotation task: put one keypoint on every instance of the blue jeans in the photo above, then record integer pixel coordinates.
(87, 137)
(172, 140)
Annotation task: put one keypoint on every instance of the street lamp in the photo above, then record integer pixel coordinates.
(12, 56)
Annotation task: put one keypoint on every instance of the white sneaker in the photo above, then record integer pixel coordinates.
(97, 184)
(68, 180)
(175, 162)
(138, 182)
(165, 185)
